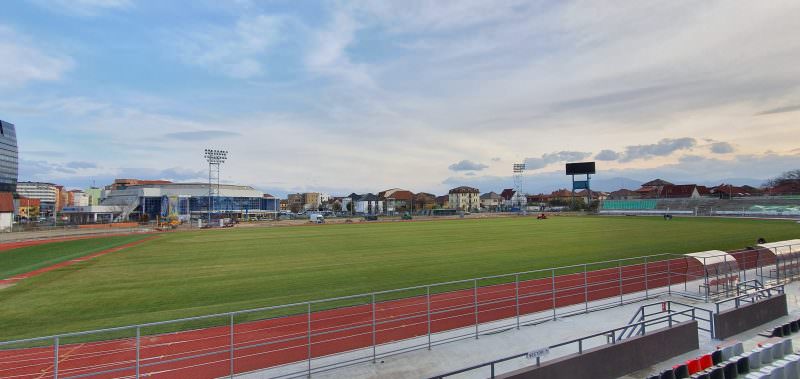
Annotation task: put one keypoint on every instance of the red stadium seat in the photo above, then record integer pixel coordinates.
(693, 365)
(705, 362)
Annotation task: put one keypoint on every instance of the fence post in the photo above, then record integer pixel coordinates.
(309, 340)
(516, 296)
(428, 296)
(553, 290)
(619, 272)
(138, 349)
(374, 348)
(669, 278)
(646, 288)
(232, 345)
(585, 290)
(55, 358)
(475, 298)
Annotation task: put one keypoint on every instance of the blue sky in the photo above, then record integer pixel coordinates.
(364, 96)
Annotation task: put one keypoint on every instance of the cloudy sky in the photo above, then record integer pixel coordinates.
(425, 95)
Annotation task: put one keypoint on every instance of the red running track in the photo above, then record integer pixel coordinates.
(205, 353)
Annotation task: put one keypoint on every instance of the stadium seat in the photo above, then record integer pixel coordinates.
(730, 371)
(766, 355)
(702, 375)
(681, 371)
(738, 349)
(777, 331)
(777, 372)
(787, 347)
(668, 374)
(716, 373)
(693, 366)
(743, 365)
(716, 357)
(777, 351)
(754, 358)
(706, 362)
(794, 326)
(792, 370)
(727, 352)
(787, 329)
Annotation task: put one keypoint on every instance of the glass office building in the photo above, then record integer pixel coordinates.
(8, 157)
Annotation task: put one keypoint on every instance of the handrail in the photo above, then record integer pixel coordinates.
(667, 318)
(666, 307)
(764, 292)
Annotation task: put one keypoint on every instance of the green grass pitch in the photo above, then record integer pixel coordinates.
(209, 271)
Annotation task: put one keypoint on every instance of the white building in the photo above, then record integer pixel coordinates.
(184, 200)
(465, 198)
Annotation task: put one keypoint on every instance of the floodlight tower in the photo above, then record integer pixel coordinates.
(519, 171)
(215, 159)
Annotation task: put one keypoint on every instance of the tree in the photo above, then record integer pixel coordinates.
(786, 177)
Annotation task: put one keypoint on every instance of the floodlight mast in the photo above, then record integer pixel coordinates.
(215, 159)
(519, 170)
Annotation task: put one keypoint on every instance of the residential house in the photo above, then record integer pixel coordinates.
(295, 202)
(6, 211)
(562, 196)
(397, 200)
(510, 198)
(368, 204)
(652, 189)
(727, 191)
(624, 194)
(679, 191)
(311, 201)
(595, 195)
(424, 201)
(491, 201)
(465, 198)
(443, 201)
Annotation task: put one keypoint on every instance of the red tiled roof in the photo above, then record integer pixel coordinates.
(6, 202)
(507, 194)
(680, 190)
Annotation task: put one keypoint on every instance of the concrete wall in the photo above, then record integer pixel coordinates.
(735, 321)
(613, 361)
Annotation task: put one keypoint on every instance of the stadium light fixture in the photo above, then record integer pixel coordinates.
(215, 159)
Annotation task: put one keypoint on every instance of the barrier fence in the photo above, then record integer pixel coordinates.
(607, 337)
(304, 338)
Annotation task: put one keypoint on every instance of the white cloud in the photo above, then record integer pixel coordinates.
(22, 61)
(238, 51)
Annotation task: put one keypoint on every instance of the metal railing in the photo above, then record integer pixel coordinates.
(668, 319)
(637, 324)
(751, 297)
(289, 339)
